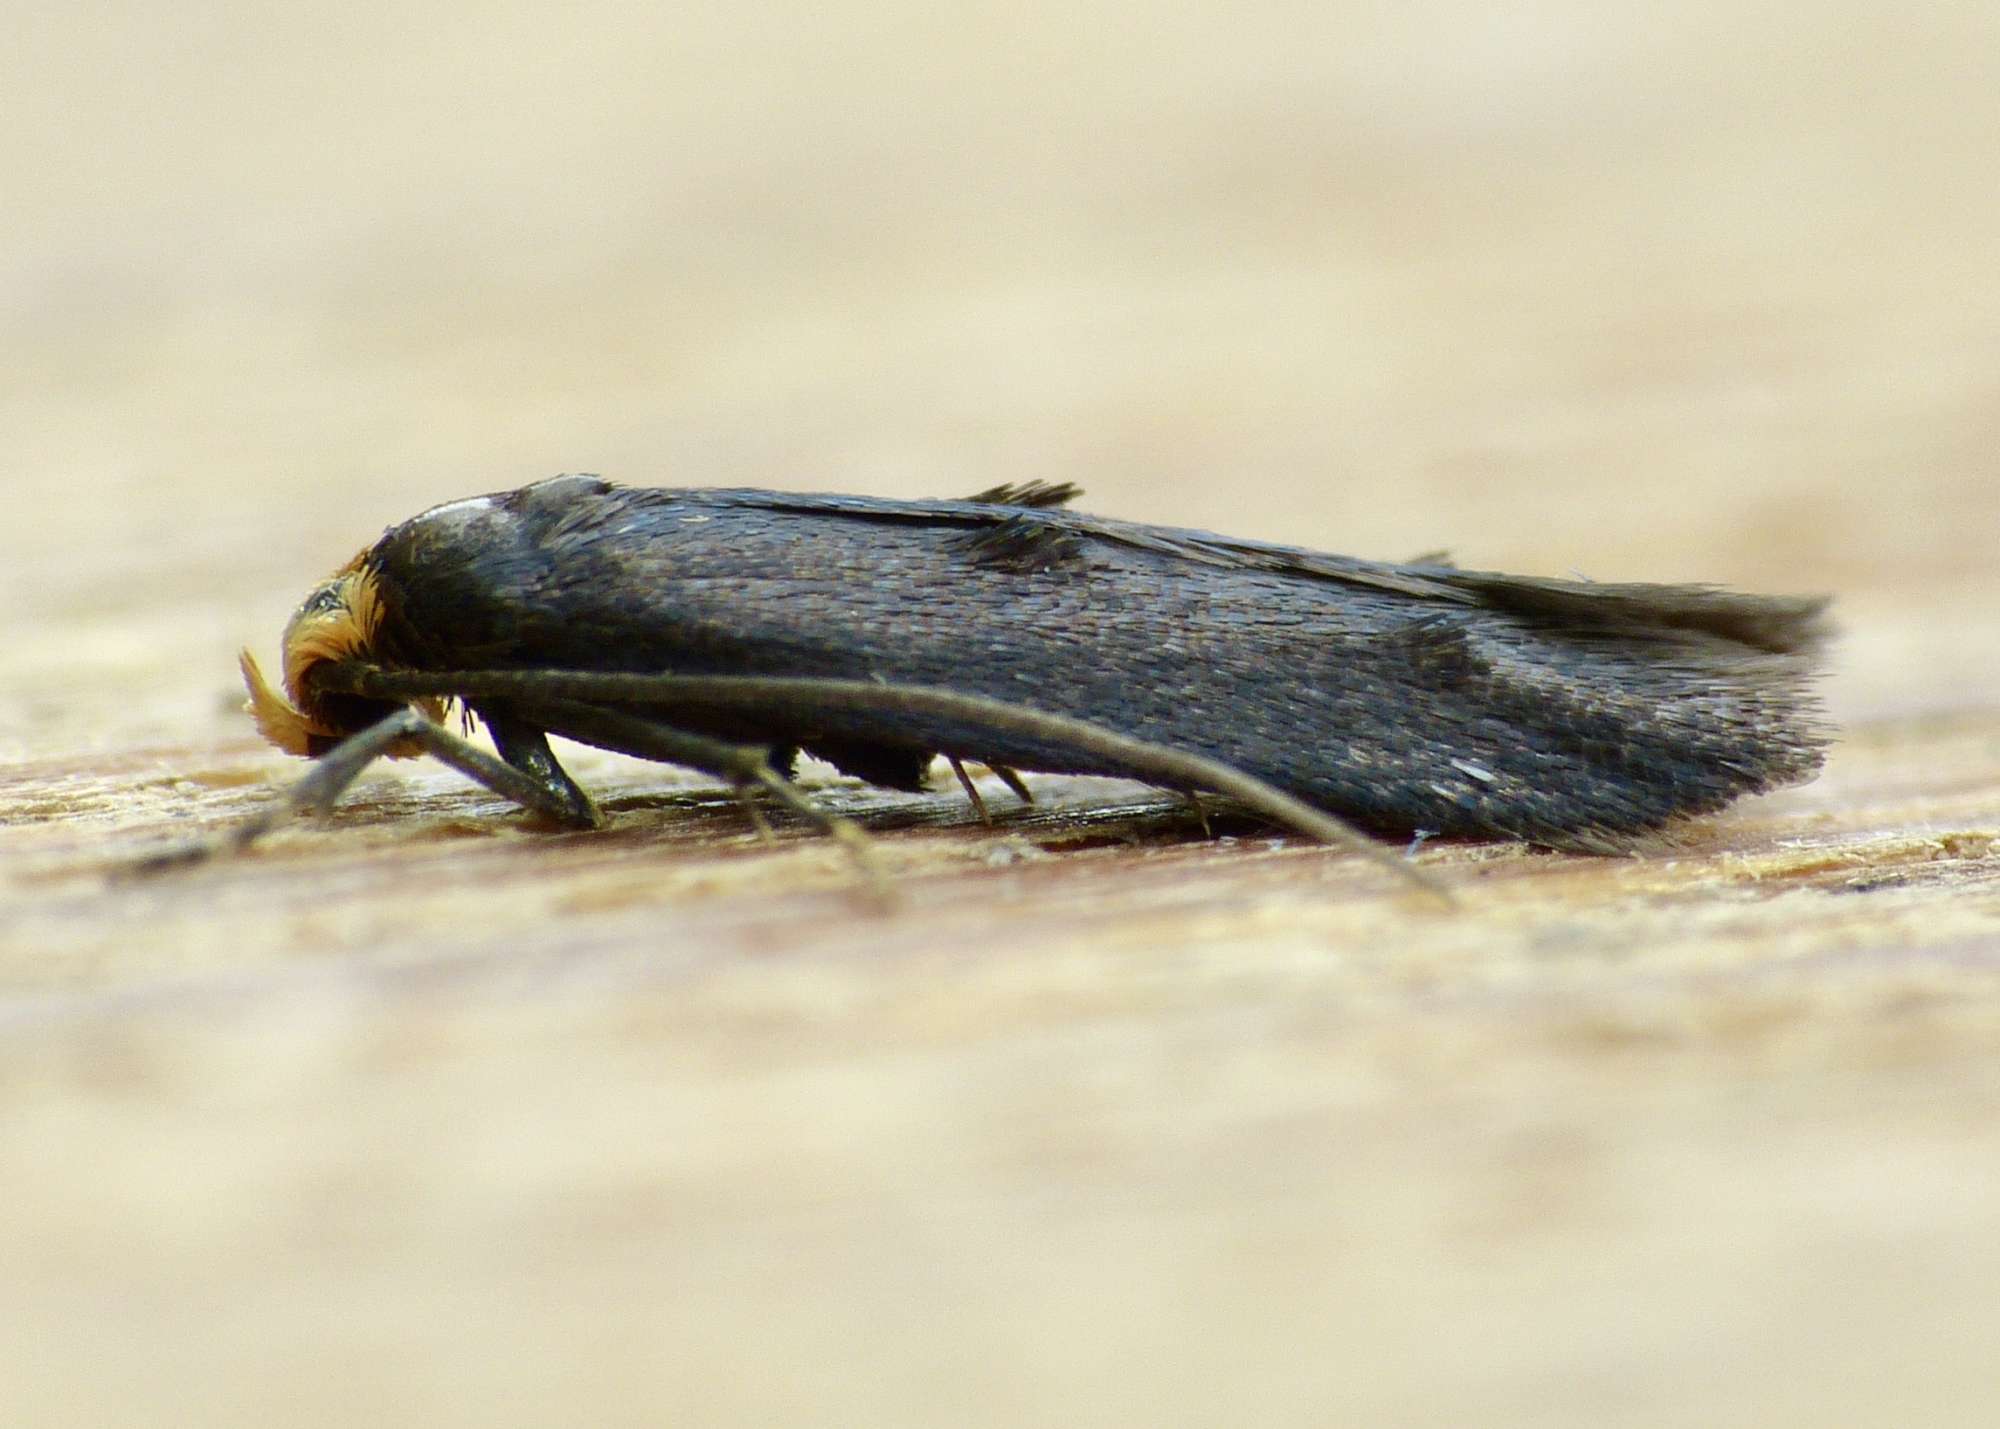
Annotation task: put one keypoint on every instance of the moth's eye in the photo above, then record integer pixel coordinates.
(323, 601)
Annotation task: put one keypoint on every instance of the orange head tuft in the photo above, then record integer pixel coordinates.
(337, 622)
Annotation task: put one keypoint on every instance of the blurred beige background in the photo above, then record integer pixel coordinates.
(1701, 293)
(1683, 292)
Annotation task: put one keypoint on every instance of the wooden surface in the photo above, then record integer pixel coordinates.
(423, 1115)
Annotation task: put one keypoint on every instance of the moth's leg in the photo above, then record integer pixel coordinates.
(971, 789)
(1191, 797)
(810, 699)
(746, 766)
(527, 748)
(1200, 811)
(501, 777)
(340, 766)
(754, 813)
(1001, 772)
(1013, 781)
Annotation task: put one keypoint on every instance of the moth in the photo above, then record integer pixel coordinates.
(731, 630)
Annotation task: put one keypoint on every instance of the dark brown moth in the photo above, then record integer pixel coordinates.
(728, 630)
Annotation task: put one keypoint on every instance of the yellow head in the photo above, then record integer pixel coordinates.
(338, 621)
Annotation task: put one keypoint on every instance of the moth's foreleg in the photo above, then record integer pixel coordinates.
(333, 772)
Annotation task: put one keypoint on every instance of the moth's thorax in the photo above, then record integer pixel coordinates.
(477, 529)
(500, 518)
